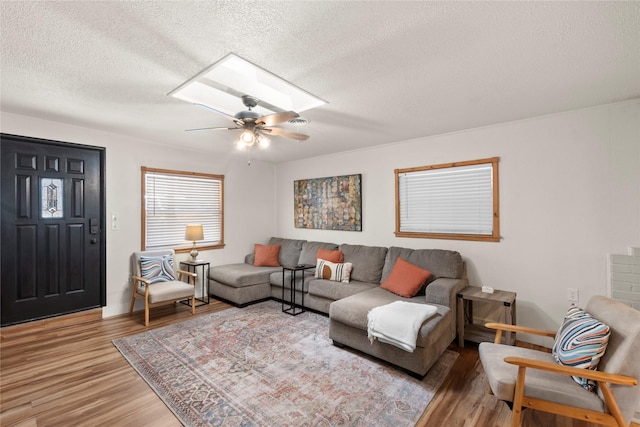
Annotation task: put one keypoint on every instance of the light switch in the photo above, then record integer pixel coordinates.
(115, 221)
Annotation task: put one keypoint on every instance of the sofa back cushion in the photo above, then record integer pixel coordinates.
(440, 262)
(310, 249)
(368, 261)
(289, 250)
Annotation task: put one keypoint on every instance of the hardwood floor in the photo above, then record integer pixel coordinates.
(73, 375)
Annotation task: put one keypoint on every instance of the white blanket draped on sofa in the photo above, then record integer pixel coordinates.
(398, 323)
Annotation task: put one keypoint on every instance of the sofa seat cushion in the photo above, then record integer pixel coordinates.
(241, 275)
(337, 290)
(353, 311)
(167, 291)
(539, 384)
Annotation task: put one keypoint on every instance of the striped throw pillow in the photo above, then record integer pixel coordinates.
(157, 269)
(338, 272)
(581, 342)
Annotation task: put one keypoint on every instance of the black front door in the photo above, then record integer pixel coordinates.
(53, 246)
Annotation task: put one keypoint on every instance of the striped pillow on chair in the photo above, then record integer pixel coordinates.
(157, 269)
(581, 342)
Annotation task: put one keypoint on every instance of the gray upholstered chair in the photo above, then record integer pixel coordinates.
(156, 281)
(531, 378)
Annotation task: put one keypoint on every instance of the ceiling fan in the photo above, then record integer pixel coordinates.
(255, 128)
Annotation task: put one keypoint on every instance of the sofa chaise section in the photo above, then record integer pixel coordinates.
(348, 327)
(348, 316)
(241, 283)
(244, 283)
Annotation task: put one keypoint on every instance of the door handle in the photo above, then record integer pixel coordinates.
(93, 241)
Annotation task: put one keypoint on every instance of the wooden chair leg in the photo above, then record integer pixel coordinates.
(516, 412)
(146, 314)
(193, 304)
(133, 301)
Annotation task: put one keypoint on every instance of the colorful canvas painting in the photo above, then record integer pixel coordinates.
(332, 203)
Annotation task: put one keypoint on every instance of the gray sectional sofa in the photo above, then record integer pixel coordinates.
(348, 304)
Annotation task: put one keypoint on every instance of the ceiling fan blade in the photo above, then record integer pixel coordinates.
(276, 118)
(199, 129)
(222, 113)
(286, 133)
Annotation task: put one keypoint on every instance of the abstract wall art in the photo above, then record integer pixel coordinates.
(331, 203)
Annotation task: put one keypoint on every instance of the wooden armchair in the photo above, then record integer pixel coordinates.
(155, 282)
(533, 379)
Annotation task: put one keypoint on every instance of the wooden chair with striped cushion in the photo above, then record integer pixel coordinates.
(156, 281)
(535, 379)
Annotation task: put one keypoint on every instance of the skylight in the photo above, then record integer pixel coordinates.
(221, 85)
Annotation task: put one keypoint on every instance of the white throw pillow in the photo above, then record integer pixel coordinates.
(338, 272)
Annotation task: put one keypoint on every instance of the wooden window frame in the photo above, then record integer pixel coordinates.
(493, 237)
(180, 249)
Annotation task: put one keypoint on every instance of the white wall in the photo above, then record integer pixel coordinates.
(249, 204)
(569, 196)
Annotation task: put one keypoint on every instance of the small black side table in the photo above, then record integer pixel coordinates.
(290, 307)
(192, 267)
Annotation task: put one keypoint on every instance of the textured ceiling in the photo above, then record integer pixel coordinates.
(391, 71)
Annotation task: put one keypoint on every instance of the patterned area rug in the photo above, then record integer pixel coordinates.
(257, 366)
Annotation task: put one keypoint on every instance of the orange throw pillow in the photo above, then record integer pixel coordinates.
(266, 256)
(331, 256)
(405, 279)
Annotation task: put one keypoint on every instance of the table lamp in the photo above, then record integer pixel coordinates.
(194, 232)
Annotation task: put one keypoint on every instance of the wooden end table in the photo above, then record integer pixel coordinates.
(479, 333)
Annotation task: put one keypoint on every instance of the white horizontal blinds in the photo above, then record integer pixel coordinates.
(453, 200)
(173, 201)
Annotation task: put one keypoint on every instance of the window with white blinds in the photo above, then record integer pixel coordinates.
(173, 199)
(449, 201)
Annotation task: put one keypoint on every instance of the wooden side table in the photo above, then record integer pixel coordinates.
(479, 333)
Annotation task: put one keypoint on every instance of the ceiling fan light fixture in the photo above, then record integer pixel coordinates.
(263, 141)
(254, 130)
(248, 137)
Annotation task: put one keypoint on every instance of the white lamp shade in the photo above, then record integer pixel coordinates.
(194, 232)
